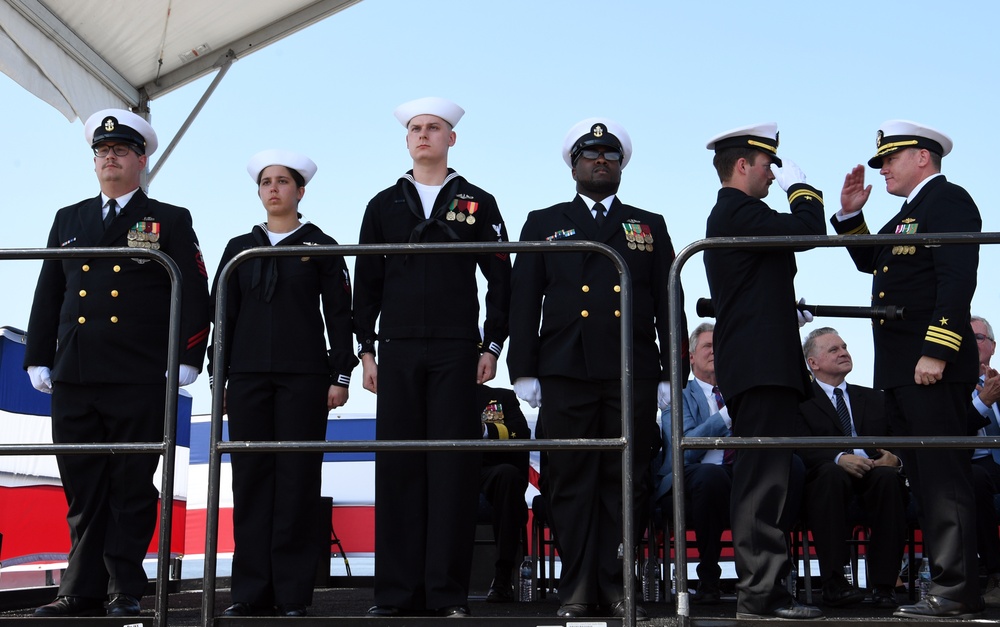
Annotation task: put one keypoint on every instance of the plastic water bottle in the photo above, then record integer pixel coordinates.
(651, 579)
(924, 578)
(793, 580)
(525, 583)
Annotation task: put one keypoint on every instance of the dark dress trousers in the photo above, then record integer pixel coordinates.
(935, 284)
(760, 367)
(101, 326)
(504, 475)
(567, 333)
(280, 312)
(881, 492)
(427, 308)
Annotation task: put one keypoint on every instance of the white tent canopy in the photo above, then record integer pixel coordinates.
(81, 56)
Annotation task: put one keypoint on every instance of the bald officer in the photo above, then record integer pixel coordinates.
(572, 365)
(97, 341)
(427, 307)
(928, 364)
(758, 357)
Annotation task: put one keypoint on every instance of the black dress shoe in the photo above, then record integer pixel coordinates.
(383, 611)
(793, 611)
(455, 611)
(842, 594)
(884, 597)
(617, 610)
(500, 594)
(73, 606)
(934, 606)
(573, 610)
(708, 594)
(248, 609)
(292, 609)
(123, 605)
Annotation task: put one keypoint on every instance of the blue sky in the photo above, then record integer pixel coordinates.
(673, 74)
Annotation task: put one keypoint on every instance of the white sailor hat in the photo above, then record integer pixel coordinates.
(431, 105)
(120, 125)
(596, 132)
(292, 160)
(763, 137)
(896, 135)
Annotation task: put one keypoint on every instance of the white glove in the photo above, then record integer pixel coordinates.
(804, 316)
(41, 378)
(787, 175)
(529, 391)
(663, 394)
(186, 375)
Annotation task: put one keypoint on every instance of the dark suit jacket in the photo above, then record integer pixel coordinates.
(574, 298)
(934, 283)
(756, 331)
(104, 320)
(513, 426)
(819, 418)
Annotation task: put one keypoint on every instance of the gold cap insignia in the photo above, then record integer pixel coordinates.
(878, 138)
(598, 130)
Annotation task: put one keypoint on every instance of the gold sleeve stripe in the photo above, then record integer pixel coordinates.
(804, 192)
(955, 337)
(861, 230)
(502, 431)
(943, 341)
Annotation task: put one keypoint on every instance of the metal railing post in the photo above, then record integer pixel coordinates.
(166, 448)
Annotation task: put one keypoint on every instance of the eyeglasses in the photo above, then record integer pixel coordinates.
(120, 150)
(980, 337)
(610, 155)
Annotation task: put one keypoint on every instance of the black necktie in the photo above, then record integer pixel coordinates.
(599, 214)
(845, 416)
(112, 213)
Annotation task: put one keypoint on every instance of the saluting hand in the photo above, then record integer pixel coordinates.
(854, 194)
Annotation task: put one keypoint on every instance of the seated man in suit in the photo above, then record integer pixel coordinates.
(503, 480)
(986, 461)
(708, 475)
(835, 476)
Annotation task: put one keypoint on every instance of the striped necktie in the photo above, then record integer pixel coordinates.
(845, 416)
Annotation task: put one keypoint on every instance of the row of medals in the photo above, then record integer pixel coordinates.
(141, 239)
(461, 217)
(642, 241)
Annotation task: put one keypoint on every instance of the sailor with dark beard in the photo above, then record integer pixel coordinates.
(573, 361)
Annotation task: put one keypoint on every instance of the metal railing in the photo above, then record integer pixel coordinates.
(166, 448)
(681, 442)
(218, 447)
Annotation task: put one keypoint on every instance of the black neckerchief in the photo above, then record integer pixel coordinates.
(264, 274)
